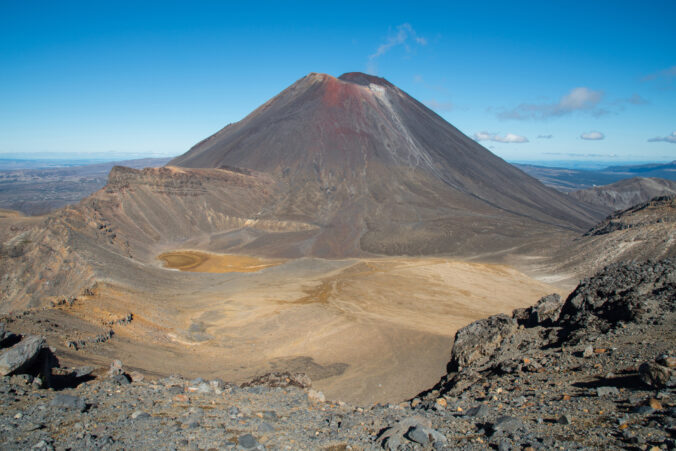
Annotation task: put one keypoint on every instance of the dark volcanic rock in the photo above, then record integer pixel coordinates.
(544, 313)
(410, 430)
(283, 379)
(474, 344)
(621, 293)
(656, 375)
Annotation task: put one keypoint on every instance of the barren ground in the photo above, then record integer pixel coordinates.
(365, 330)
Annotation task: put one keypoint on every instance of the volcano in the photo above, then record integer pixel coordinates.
(377, 171)
(327, 233)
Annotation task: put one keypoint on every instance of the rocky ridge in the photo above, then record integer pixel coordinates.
(594, 371)
(644, 231)
(626, 193)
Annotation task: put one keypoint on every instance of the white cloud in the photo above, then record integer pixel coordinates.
(545, 136)
(636, 99)
(404, 34)
(508, 138)
(592, 136)
(577, 99)
(668, 73)
(667, 139)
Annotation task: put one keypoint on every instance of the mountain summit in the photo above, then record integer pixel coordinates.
(378, 171)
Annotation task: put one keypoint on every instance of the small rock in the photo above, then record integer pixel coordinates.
(588, 352)
(119, 379)
(204, 388)
(265, 428)
(479, 411)
(139, 414)
(116, 368)
(655, 404)
(506, 424)
(564, 419)
(606, 391)
(315, 396)
(666, 360)
(643, 410)
(417, 434)
(136, 376)
(247, 441)
(68, 402)
(42, 445)
(441, 403)
(83, 371)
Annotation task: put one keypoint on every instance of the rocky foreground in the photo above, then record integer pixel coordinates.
(597, 370)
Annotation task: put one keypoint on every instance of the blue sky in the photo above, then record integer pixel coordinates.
(530, 80)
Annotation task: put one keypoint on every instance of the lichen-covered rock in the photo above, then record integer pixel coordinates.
(474, 344)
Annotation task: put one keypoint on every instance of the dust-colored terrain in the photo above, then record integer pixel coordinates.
(365, 330)
(197, 261)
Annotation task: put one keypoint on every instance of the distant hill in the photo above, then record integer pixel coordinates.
(626, 193)
(36, 187)
(567, 180)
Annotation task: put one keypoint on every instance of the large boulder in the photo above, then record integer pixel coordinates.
(621, 293)
(660, 373)
(475, 344)
(545, 313)
(21, 356)
(410, 431)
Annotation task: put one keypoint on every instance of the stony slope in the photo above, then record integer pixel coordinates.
(594, 372)
(116, 233)
(626, 193)
(644, 231)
